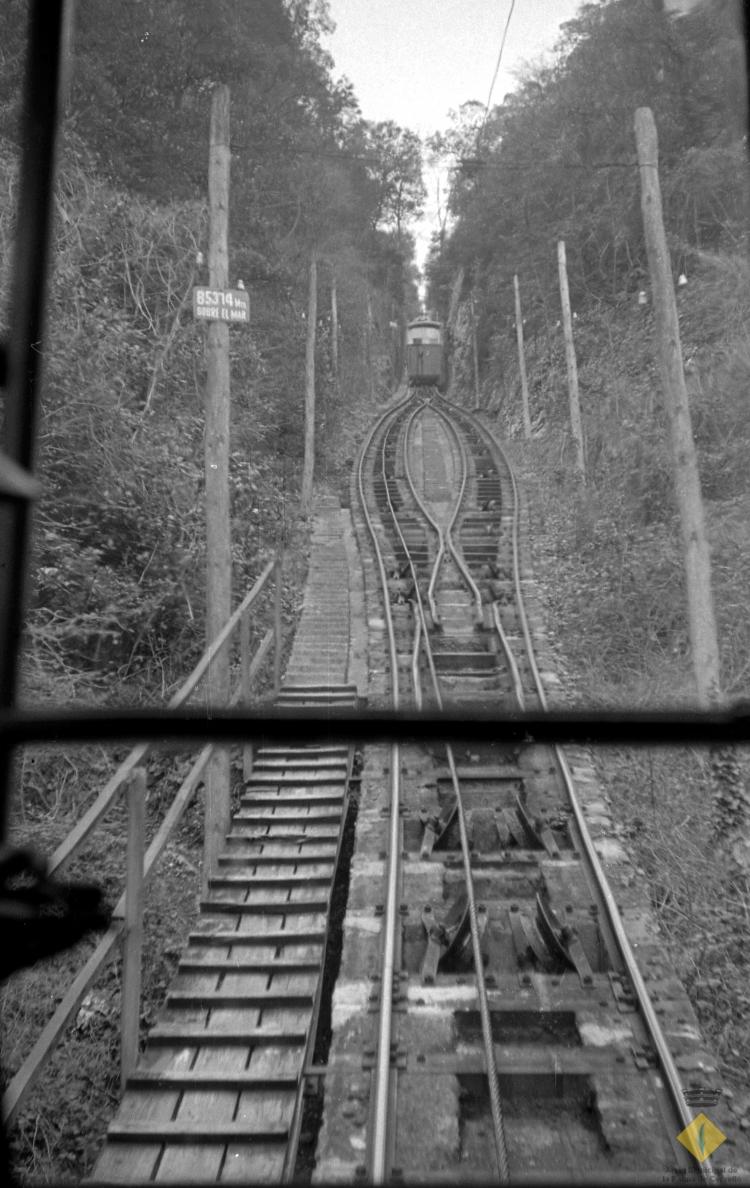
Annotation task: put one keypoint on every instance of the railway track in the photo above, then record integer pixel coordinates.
(508, 1031)
(488, 1019)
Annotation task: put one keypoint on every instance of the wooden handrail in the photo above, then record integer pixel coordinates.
(95, 811)
(27, 1075)
(221, 639)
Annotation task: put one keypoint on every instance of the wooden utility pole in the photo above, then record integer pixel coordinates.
(334, 329)
(218, 535)
(453, 307)
(368, 345)
(701, 621)
(308, 464)
(522, 360)
(570, 360)
(474, 352)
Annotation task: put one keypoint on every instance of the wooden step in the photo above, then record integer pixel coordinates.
(331, 751)
(263, 907)
(194, 1132)
(294, 792)
(279, 831)
(210, 964)
(223, 937)
(270, 856)
(290, 814)
(253, 880)
(247, 1037)
(262, 760)
(145, 1078)
(210, 1000)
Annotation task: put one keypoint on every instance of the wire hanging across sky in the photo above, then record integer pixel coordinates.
(497, 68)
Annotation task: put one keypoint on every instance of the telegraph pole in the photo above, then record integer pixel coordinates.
(308, 464)
(570, 359)
(218, 530)
(730, 798)
(702, 623)
(474, 354)
(334, 329)
(522, 360)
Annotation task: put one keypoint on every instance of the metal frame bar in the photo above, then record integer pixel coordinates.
(613, 727)
(22, 358)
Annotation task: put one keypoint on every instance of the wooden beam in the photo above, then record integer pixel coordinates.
(218, 520)
(570, 361)
(701, 619)
(522, 360)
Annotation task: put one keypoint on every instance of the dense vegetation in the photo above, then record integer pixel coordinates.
(118, 589)
(556, 160)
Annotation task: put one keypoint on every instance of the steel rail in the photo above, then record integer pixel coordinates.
(415, 677)
(421, 619)
(378, 1154)
(430, 520)
(512, 665)
(382, 1085)
(445, 535)
(648, 1013)
(460, 563)
(504, 642)
(498, 1126)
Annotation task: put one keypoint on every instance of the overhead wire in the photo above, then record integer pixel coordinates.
(497, 69)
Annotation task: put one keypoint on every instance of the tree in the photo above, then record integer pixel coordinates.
(395, 165)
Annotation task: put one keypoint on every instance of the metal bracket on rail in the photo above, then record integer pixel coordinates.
(526, 938)
(448, 940)
(400, 589)
(562, 939)
(623, 993)
(537, 830)
(547, 940)
(525, 830)
(435, 826)
(644, 1057)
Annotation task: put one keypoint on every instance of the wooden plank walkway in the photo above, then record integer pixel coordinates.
(216, 1096)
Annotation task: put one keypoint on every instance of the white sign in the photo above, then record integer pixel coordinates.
(221, 305)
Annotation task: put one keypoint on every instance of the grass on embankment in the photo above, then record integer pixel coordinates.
(608, 562)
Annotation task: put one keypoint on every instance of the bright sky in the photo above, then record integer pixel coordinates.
(413, 61)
